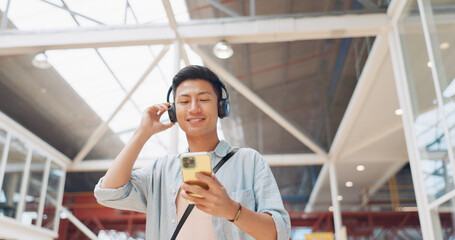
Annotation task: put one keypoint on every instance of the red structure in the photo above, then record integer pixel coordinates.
(97, 217)
(358, 224)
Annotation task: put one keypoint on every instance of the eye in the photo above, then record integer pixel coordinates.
(205, 100)
(183, 102)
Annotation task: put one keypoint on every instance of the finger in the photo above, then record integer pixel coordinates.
(204, 208)
(151, 109)
(195, 190)
(196, 200)
(206, 179)
(164, 105)
(168, 125)
(162, 111)
(157, 108)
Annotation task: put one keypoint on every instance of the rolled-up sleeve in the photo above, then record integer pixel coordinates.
(131, 196)
(268, 198)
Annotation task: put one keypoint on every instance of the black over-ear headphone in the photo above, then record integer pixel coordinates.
(223, 105)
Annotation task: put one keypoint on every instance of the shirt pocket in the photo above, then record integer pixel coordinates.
(244, 197)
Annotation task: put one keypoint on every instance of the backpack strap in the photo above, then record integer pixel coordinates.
(191, 206)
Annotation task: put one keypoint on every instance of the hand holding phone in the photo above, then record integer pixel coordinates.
(191, 163)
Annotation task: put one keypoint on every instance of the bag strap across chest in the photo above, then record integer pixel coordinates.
(191, 206)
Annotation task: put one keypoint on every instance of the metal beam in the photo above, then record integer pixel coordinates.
(301, 159)
(361, 92)
(335, 203)
(173, 23)
(278, 117)
(238, 30)
(5, 16)
(368, 4)
(322, 178)
(103, 127)
(223, 8)
(399, 69)
(393, 168)
(252, 8)
(103, 165)
(73, 12)
(42, 199)
(24, 185)
(4, 157)
(363, 143)
(80, 225)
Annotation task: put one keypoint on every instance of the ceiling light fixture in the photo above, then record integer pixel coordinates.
(360, 168)
(331, 208)
(349, 184)
(429, 64)
(399, 112)
(40, 61)
(444, 45)
(223, 50)
(340, 198)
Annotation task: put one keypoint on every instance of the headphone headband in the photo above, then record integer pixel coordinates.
(168, 94)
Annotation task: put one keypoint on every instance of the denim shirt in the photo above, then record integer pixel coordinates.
(153, 190)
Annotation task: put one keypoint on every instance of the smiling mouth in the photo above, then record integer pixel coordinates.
(195, 120)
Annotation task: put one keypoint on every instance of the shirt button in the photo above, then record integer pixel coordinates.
(173, 191)
(173, 221)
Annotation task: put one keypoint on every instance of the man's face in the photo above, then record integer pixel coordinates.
(196, 105)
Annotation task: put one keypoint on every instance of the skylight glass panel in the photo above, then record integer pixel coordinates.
(149, 11)
(128, 63)
(192, 56)
(85, 22)
(152, 91)
(86, 73)
(167, 63)
(37, 15)
(180, 10)
(130, 17)
(106, 11)
(127, 118)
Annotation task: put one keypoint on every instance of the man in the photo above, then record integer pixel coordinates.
(242, 201)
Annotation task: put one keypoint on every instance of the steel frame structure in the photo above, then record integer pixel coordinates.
(53, 156)
(260, 29)
(428, 214)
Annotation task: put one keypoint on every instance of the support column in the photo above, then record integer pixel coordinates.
(335, 203)
(428, 231)
(174, 131)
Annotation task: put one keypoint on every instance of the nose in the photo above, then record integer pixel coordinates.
(194, 107)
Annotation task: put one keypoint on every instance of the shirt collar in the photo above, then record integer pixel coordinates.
(221, 149)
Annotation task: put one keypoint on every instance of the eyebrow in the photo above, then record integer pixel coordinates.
(201, 93)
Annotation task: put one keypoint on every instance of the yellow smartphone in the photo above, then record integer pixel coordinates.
(191, 163)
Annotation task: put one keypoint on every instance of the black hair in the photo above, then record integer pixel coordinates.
(193, 72)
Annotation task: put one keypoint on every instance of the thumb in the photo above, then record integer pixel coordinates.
(165, 126)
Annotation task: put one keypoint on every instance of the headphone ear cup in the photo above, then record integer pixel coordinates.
(223, 108)
(172, 113)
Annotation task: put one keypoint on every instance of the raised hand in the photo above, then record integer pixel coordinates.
(150, 122)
